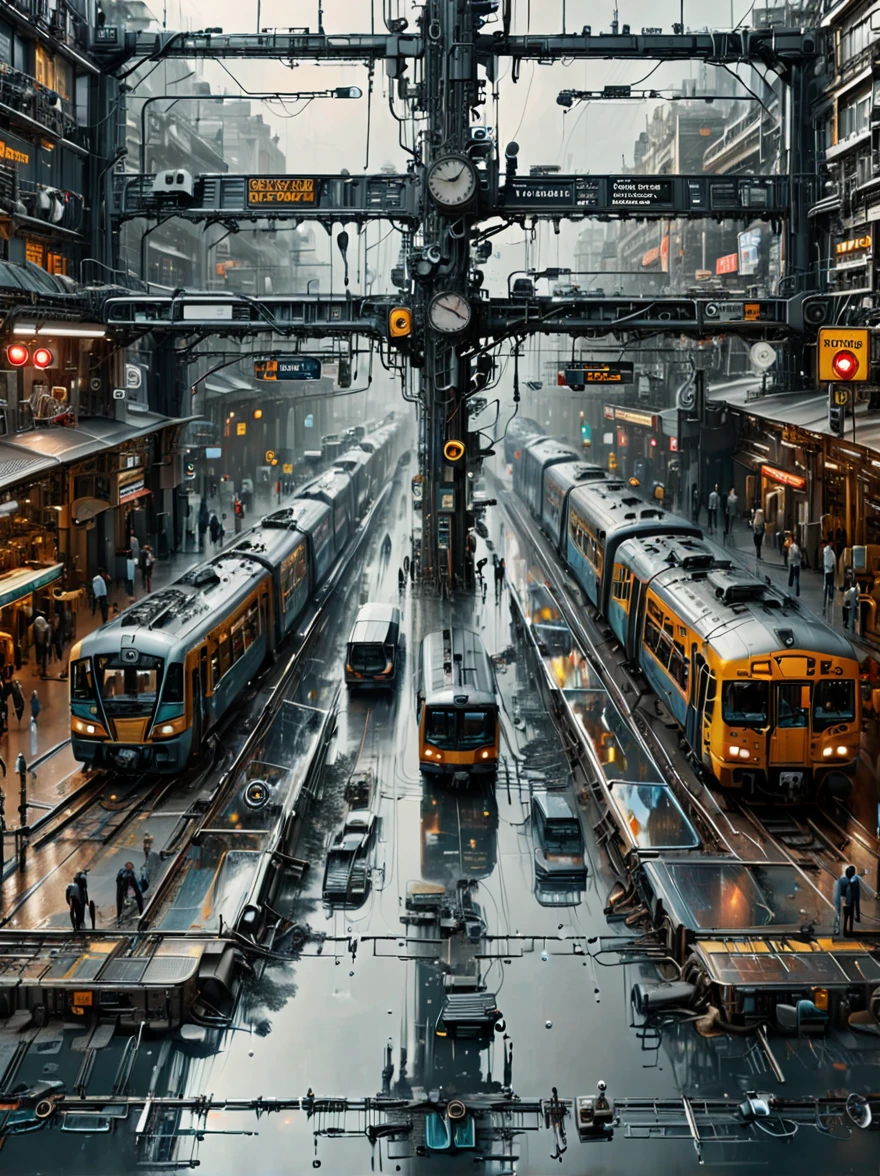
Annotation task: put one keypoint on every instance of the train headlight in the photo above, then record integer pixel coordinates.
(428, 753)
(485, 755)
(826, 751)
(843, 751)
(733, 750)
(94, 730)
(172, 727)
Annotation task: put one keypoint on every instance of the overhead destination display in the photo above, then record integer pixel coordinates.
(582, 372)
(288, 367)
(282, 190)
(635, 195)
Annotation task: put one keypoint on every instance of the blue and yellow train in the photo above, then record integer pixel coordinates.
(148, 686)
(767, 698)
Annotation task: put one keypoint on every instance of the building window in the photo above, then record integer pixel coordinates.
(33, 252)
(56, 263)
(53, 73)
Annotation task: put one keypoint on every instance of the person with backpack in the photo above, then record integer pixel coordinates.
(847, 896)
(42, 634)
(758, 530)
(17, 699)
(147, 561)
(129, 886)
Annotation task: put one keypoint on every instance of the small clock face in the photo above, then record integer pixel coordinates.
(452, 181)
(449, 313)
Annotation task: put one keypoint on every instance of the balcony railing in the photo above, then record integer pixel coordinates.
(60, 20)
(26, 96)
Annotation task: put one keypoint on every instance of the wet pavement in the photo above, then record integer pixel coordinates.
(365, 983)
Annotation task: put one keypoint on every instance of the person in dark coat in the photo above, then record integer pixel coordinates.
(848, 896)
(216, 529)
(203, 523)
(128, 886)
(17, 699)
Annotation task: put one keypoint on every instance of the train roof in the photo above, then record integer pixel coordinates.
(351, 458)
(328, 487)
(270, 544)
(304, 514)
(519, 426)
(189, 605)
(567, 475)
(545, 449)
(647, 555)
(456, 669)
(611, 506)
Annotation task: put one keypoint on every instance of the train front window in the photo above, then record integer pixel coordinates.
(744, 704)
(834, 702)
(440, 728)
(367, 658)
(129, 688)
(82, 686)
(476, 729)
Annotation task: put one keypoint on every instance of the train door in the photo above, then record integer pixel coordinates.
(634, 629)
(698, 729)
(789, 739)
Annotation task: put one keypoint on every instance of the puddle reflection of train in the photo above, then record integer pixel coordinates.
(459, 833)
(551, 632)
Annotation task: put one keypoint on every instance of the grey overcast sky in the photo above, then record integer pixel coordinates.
(327, 136)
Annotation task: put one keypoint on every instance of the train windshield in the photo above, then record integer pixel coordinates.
(129, 688)
(744, 704)
(459, 729)
(476, 728)
(563, 837)
(833, 702)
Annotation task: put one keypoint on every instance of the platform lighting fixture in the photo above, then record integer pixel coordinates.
(58, 331)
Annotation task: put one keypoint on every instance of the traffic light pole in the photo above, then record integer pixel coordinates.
(450, 92)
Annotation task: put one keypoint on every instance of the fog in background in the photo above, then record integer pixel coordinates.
(329, 135)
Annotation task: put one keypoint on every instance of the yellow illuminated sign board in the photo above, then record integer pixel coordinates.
(10, 153)
(834, 342)
(282, 190)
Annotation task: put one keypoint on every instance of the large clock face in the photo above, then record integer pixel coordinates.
(449, 313)
(452, 181)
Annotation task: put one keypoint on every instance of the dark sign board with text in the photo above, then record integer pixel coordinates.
(276, 190)
(586, 372)
(637, 195)
(288, 367)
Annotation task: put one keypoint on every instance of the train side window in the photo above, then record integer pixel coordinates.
(678, 667)
(252, 626)
(225, 655)
(711, 693)
(238, 645)
(215, 669)
(82, 686)
(173, 689)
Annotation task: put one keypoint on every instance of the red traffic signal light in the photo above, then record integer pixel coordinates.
(17, 354)
(43, 358)
(845, 365)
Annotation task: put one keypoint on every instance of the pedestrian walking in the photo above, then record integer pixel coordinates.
(130, 567)
(731, 510)
(18, 699)
(695, 503)
(203, 523)
(147, 562)
(851, 607)
(829, 567)
(42, 635)
(58, 637)
(99, 595)
(128, 886)
(216, 529)
(847, 899)
(758, 529)
(714, 503)
(135, 547)
(794, 566)
(36, 707)
(500, 569)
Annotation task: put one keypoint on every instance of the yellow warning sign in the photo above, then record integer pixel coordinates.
(844, 354)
